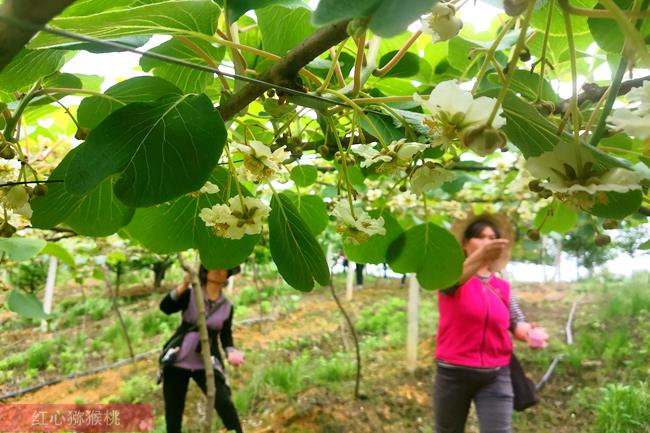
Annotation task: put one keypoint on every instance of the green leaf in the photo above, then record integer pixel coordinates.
(295, 251)
(578, 23)
(312, 210)
(304, 175)
(429, 251)
(97, 213)
(28, 67)
(282, 28)
(645, 246)
(556, 217)
(239, 7)
(93, 110)
(89, 7)
(57, 80)
(374, 249)
(608, 35)
(619, 205)
(176, 226)
(174, 17)
(56, 250)
(100, 48)
(526, 128)
(26, 304)
(387, 17)
(150, 148)
(21, 248)
(383, 124)
(407, 66)
(459, 54)
(187, 79)
(525, 83)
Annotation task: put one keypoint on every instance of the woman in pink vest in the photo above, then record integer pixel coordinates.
(474, 343)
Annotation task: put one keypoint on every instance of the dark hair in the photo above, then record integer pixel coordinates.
(475, 229)
(203, 273)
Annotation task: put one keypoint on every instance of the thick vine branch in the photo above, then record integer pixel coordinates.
(593, 92)
(38, 12)
(284, 72)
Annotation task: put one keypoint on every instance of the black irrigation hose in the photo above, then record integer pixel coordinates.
(77, 375)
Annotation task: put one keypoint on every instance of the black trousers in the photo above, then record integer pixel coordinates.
(454, 390)
(175, 382)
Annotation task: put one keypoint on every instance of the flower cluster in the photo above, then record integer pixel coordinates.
(635, 121)
(581, 180)
(9, 170)
(394, 158)
(456, 116)
(241, 216)
(403, 201)
(359, 227)
(260, 164)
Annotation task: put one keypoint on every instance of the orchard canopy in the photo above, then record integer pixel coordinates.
(273, 122)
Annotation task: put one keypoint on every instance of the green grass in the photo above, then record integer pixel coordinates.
(623, 409)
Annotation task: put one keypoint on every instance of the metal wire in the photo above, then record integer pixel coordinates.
(162, 57)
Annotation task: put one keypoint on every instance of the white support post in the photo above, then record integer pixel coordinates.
(412, 336)
(49, 290)
(349, 284)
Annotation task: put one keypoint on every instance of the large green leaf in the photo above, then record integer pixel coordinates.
(173, 17)
(26, 304)
(239, 7)
(188, 79)
(619, 204)
(556, 217)
(295, 251)
(459, 54)
(375, 123)
(56, 80)
(60, 253)
(282, 28)
(304, 175)
(579, 23)
(312, 210)
(89, 7)
(94, 109)
(374, 249)
(151, 149)
(429, 251)
(608, 35)
(97, 213)
(28, 67)
(21, 248)
(176, 226)
(407, 66)
(387, 17)
(525, 83)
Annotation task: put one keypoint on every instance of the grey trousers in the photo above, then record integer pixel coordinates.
(453, 392)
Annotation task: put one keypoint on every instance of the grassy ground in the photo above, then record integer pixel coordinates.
(299, 370)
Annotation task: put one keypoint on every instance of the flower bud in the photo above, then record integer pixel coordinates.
(7, 153)
(7, 230)
(610, 224)
(546, 108)
(82, 133)
(442, 25)
(484, 139)
(601, 240)
(535, 186)
(545, 193)
(40, 190)
(524, 56)
(17, 197)
(515, 7)
(533, 235)
(323, 150)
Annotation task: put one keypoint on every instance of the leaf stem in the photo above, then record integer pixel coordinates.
(358, 64)
(542, 59)
(398, 56)
(490, 52)
(575, 114)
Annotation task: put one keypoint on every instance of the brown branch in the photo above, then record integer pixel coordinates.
(284, 72)
(593, 92)
(39, 12)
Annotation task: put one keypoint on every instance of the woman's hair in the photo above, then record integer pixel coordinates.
(203, 273)
(475, 229)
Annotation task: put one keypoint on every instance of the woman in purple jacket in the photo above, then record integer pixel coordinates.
(473, 344)
(187, 360)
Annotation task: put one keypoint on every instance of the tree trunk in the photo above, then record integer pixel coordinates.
(49, 290)
(412, 336)
(558, 259)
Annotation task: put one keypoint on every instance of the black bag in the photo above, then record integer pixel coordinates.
(524, 390)
(172, 346)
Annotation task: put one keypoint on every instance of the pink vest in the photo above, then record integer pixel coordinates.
(473, 329)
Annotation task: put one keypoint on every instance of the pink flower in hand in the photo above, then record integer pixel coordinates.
(537, 338)
(235, 357)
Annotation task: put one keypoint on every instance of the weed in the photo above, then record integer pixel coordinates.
(137, 389)
(338, 368)
(156, 323)
(39, 354)
(623, 409)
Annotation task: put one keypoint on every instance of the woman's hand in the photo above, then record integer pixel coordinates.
(183, 286)
(491, 250)
(235, 357)
(537, 337)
